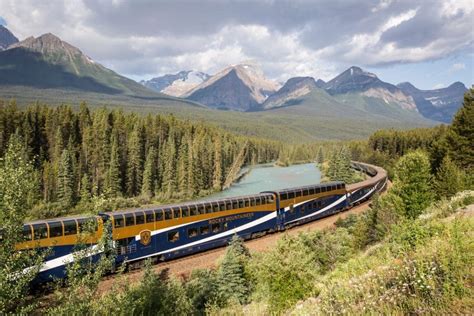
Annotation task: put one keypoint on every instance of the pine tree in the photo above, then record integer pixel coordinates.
(149, 174)
(49, 182)
(461, 134)
(169, 161)
(413, 182)
(191, 170)
(320, 159)
(58, 145)
(85, 189)
(66, 180)
(113, 178)
(182, 167)
(135, 162)
(217, 179)
(449, 179)
(232, 281)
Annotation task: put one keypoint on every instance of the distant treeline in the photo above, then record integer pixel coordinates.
(83, 154)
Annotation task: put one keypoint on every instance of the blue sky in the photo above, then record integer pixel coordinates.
(427, 42)
(431, 74)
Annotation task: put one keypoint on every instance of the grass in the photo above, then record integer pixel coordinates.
(422, 267)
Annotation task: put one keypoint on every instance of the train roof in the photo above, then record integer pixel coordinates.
(151, 208)
(59, 219)
(319, 185)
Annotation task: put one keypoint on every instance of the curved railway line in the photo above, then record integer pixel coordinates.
(182, 267)
(181, 233)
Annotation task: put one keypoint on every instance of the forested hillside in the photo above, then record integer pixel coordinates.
(84, 155)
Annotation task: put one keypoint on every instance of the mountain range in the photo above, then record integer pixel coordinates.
(49, 69)
(439, 104)
(244, 88)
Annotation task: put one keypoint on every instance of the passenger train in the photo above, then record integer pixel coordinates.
(172, 231)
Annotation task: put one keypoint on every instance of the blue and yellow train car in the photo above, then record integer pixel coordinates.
(172, 231)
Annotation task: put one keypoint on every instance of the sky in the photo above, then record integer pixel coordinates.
(427, 42)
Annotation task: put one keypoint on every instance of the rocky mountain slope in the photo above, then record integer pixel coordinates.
(6, 38)
(241, 88)
(49, 62)
(357, 81)
(438, 104)
(292, 90)
(176, 84)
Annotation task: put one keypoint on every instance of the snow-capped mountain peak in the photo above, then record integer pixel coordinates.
(176, 84)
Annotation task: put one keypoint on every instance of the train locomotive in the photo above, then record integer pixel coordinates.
(167, 232)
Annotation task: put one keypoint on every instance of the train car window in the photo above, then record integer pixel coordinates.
(222, 206)
(129, 220)
(168, 214)
(318, 190)
(252, 201)
(311, 191)
(192, 232)
(55, 229)
(176, 212)
(200, 209)
(40, 231)
(119, 221)
(305, 192)
(204, 230)
(193, 210)
(27, 236)
(247, 203)
(284, 196)
(323, 189)
(208, 208)
(139, 218)
(235, 204)
(257, 201)
(241, 204)
(215, 207)
(228, 205)
(291, 195)
(149, 216)
(184, 211)
(298, 193)
(70, 227)
(216, 228)
(158, 215)
(173, 236)
(271, 199)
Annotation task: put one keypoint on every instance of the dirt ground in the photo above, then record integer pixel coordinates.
(184, 266)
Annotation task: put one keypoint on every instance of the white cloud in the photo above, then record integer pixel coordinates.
(457, 66)
(288, 38)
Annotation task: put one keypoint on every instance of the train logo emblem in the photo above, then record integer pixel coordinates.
(145, 237)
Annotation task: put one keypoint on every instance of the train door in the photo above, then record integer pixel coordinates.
(281, 214)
